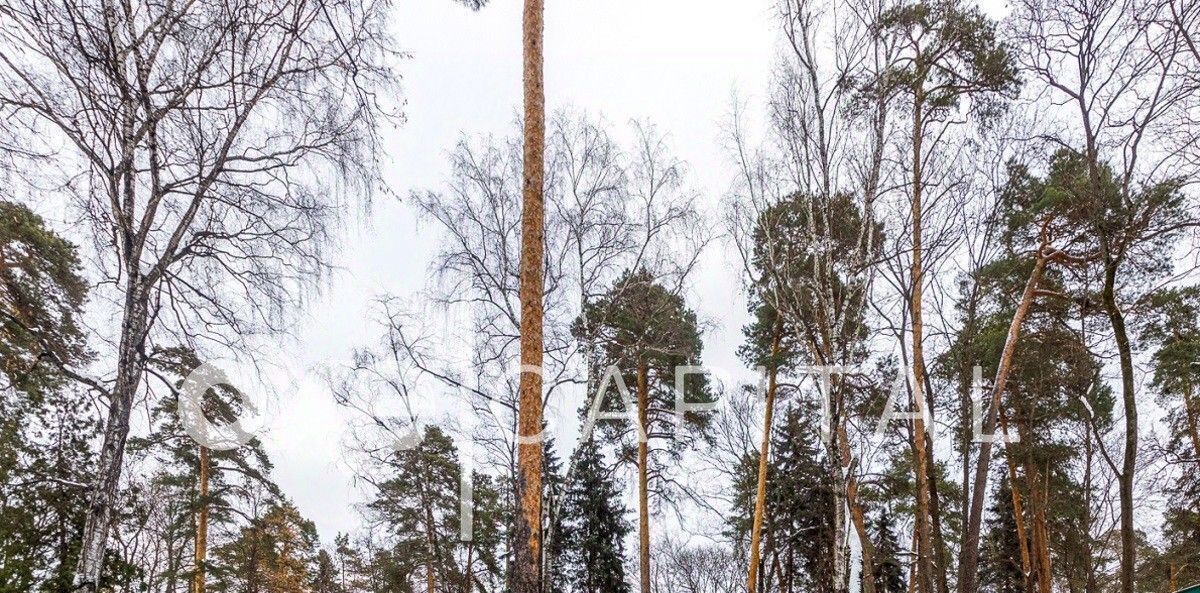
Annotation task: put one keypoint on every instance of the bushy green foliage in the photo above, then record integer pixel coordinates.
(638, 323)
(42, 293)
(592, 527)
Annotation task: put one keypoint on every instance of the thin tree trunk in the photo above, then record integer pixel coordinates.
(1019, 516)
(965, 407)
(760, 500)
(469, 570)
(912, 570)
(1193, 417)
(643, 481)
(921, 455)
(937, 541)
(1039, 543)
(430, 579)
(1018, 506)
(130, 367)
(969, 563)
(1125, 479)
(1089, 585)
(198, 579)
(527, 569)
(840, 551)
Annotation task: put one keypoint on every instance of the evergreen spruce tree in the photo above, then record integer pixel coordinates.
(799, 531)
(798, 528)
(553, 545)
(1000, 568)
(889, 571)
(325, 579)
(593, 527)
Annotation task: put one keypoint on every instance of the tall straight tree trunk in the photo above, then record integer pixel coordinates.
(1193, 417)
(921, 455)
(760, 500)
(1125, 479)
(468, 570)
(969, 563)
(130, 368)
(643, 480)
(937, 540)
(840, 552)
(527, 571)
(201, 554)
(965, 407)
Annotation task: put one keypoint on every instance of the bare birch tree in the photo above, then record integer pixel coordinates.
(817, 159)
(193, 138)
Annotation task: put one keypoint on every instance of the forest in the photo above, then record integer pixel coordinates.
(966, 238)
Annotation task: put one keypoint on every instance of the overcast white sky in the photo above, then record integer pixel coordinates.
(676, 63)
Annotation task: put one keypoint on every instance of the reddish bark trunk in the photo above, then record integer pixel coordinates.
(1018, 507)
(527, 568)
(198, 579)
(920, 454)
(760, 500)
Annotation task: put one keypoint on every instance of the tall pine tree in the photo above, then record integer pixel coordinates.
(45, 424)
(647, 332)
